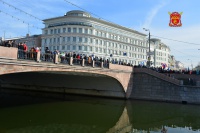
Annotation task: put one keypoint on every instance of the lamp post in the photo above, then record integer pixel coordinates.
(149, 57)
(191, 63)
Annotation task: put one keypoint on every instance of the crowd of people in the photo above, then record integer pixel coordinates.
(9, 43)
(23, 51)
(169, 71)
(64, 57)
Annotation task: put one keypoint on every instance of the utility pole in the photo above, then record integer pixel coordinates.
(149, 54)
(4, 35)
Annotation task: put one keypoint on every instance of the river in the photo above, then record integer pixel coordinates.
(57, 113)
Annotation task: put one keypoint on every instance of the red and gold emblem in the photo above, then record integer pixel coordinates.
(175, 19)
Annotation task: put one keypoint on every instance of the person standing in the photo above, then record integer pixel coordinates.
(47, 54)
(25, 48)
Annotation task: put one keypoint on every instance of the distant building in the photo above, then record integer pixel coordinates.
(31, 41)
(79, 32)
(179, 65)
(172, 62)
(160, 53)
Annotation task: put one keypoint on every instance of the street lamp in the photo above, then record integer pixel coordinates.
(191, 63)
(149, 58)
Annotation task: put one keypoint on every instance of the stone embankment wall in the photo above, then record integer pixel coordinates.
(150, 85)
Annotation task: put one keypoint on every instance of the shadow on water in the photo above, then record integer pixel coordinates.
(44, 113)
(57, 113)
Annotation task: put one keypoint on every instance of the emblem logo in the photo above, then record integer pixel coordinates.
(175, 19)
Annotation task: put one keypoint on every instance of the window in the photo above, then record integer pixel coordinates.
(74, 47)
(58, 48)
(68, 47)
(74, 30)
(85, 48)
(51, 31)
(91, 31)
(80, 30)
(109, 36)
(69, 30)
(79, 47)
(64, 30)
(74, 39)
(104, 50)
(115, 37)
(100, 50)
(63, 47)
(58, 30)
(68, 39)
(91, 40)
(86, 40)
(97, 41)
(46, 32)
(55, 31)
(104, 44)
(96, 49)
(90, 48)
(80, 39)
(100, 41)
(86, 31)
(50, 40)
(63, 39)
(54, 40)
(58, 40)
(109, 51)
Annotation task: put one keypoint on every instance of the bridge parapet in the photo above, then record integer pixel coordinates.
(8, 52)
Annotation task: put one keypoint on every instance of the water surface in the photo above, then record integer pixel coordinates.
(47, 113)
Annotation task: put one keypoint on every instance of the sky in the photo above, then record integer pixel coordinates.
(19, 17)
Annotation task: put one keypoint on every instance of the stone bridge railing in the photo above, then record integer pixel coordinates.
(158, 75)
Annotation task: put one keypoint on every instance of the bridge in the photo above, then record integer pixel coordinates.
(95, 79)
(113, 81)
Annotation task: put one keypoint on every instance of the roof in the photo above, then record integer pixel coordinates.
(88, 16)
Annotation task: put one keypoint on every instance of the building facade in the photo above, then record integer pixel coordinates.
(30, 40)
(79, 32)
(161, 51)
(179, 65)
(172, 62)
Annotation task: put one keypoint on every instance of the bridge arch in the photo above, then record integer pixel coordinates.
(108, 83)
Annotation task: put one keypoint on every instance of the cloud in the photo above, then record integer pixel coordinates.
(152, 14)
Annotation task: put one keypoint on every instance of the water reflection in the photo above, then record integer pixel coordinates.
(75, 114)
(153, 117)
